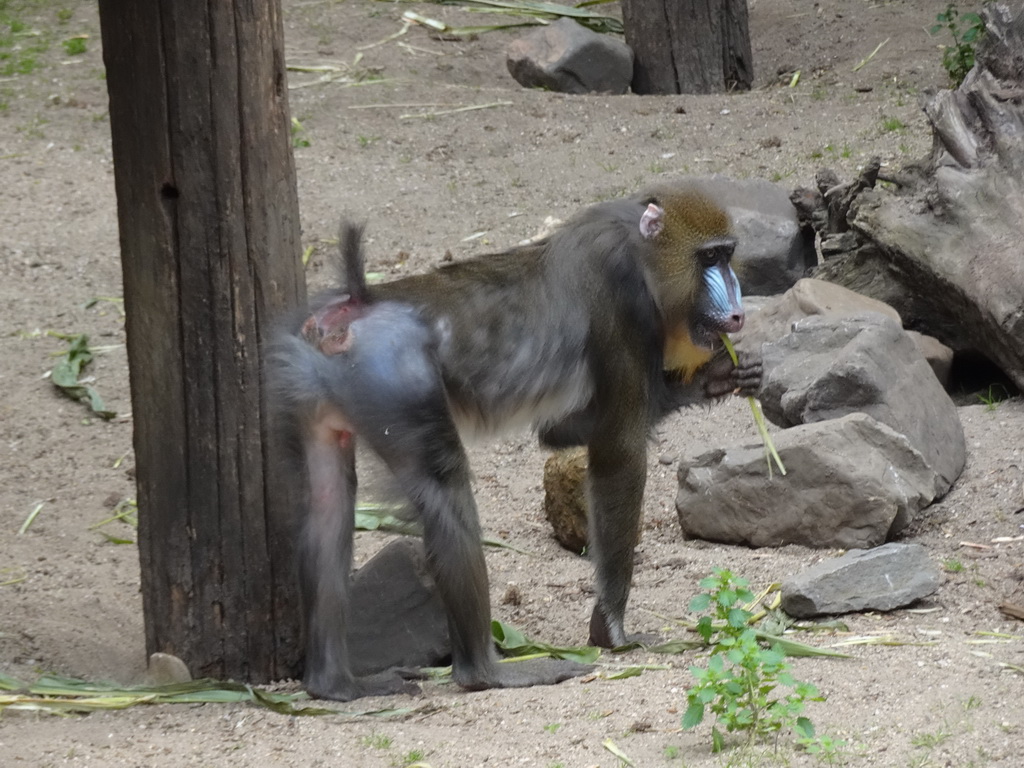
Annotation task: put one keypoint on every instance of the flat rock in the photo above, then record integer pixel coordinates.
(880, 579)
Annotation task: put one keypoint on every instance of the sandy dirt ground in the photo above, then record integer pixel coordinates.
(425, 183)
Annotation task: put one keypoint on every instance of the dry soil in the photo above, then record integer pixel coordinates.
(430, 180)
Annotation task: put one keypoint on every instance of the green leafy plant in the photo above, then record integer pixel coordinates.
(744, 683)
(298, 134)
(952, 565)
(20, 46)
(893, 125)
(411, 758)
(965, 29)
(74, 45)
(52, 694)
(993, 398)
(828, 750)
(378, 741)
(930, 740)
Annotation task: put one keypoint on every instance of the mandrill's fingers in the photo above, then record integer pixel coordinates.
(722, 378)
(748, 375)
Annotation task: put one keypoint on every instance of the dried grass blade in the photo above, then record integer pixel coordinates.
(31, 518)
(762, 428)
(611, 747)
(540, 10)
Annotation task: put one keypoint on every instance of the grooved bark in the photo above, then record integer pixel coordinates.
(209, 230)
(688, 46)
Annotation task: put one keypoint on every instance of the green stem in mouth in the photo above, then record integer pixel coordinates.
(755, 408)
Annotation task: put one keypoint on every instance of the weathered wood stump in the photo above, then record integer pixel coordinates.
(944, 246)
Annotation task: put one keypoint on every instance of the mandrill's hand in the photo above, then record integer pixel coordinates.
(722, 378)
(713, 380)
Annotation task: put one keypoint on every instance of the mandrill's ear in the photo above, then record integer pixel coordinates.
(652, 222)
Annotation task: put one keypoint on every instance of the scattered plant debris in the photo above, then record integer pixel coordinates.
(52, 694)
(65, 374)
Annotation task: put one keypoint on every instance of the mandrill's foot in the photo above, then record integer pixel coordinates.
(347, 688)
(723, 378)
(606, 633)
(520, 674)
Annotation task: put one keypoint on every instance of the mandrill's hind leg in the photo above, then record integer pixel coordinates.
(326, 564)
(385, 385)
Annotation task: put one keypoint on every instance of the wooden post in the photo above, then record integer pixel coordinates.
(210, 251)
(688, 46)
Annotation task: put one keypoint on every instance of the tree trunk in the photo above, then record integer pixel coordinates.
(209, 230)
(688, 46)
(945, 248)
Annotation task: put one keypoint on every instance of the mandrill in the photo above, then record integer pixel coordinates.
(591, 335)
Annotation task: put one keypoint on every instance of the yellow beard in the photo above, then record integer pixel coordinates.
(682, 355)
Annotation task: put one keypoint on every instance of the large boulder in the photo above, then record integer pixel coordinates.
(807, 298)
(852, 483)
(773, 252)
(827, 367)
(771, 319)
(569, 58)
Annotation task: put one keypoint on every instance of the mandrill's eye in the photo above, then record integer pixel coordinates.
(717, 251)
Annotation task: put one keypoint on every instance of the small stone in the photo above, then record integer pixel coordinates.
(165, 669)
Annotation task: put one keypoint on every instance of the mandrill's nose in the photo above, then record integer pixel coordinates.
(734, 322)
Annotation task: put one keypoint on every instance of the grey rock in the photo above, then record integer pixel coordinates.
(775, 317)
(830, 367)
(772, 252)
(398, 619)
(841, 242)
(851, 483)
(566, 57)
(879, 579)
(807, 298)
(938, 355)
